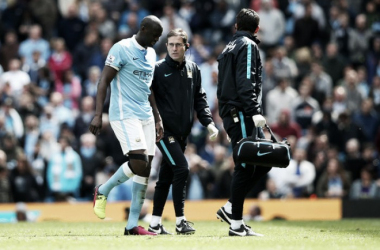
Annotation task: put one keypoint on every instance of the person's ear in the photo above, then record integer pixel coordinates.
(257, 29)
(187, 46)
(235, 26)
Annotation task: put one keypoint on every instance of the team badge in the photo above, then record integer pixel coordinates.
(189, 74)
(171, 139)
(110, 59)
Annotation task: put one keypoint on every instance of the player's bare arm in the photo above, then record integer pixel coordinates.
(105, 79)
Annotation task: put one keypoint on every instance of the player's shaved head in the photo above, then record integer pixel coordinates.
(150, 31)
(151, 22)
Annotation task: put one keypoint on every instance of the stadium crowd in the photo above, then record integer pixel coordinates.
(321, 90)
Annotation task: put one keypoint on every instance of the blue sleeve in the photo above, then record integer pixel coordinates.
(114, 58)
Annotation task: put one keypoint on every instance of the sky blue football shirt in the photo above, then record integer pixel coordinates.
(130, 87)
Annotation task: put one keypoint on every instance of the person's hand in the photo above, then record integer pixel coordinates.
(96, 125)
(259, 121)
(159, 131)
(213, 131)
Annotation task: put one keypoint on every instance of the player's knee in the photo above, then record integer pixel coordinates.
(139, 164)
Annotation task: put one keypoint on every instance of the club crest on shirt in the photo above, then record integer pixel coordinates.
(189, 74)
(171, 139)
(110, 59)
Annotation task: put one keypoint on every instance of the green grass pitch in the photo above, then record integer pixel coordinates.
(345, 234)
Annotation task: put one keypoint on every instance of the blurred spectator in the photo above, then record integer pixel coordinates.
(105, 26)
(200, 181)
(43, 86)
(301, 7)
(304, 107)
(130, 27)
(9, 49)
(83, 120)
(374, 93)
(31, 136)
(34, 43)
(333, 63)
(48, 145)
(60, 60)
(64, 173)
(23, 182)
(271, 191)
(353, 96)
(39, 167)
(222, 21)
(6, 195)
(114, 8)
(71, 28)
(71, 90)
(46, 13)
(283, 66)
(98, 59)
(209, 71)
(322, 80)
(171, 20)
(134, 8)
(272, 25)
(269, 81)
(62, 113)
(199, 51)
(90, 85)
(334, 182)
(303, 61)
(306, 29)
(15, 78)
(25, 22)
(224, 178)
(373, 59)
(354, 161)
(341, 35)
(365, 188)
(12, 122)
(33, 67)
(49, 123)
(363, 85)
(28, 105)
(367, 119)
(254, 214)
(327, 124)
(84, 52)
(281, 97)
(285, 127)
(359, 40)
(92, 161)
(295, 180)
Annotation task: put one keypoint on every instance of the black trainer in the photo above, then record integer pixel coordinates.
(222, 215)
(185, 227)
(159, 229)
(238, 232)
(250, 232)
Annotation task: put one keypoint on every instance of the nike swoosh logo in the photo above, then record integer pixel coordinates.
(261, 154)
(244, 233)
(156, 231)
(178, 228)
(166, 75)
(135, 58)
